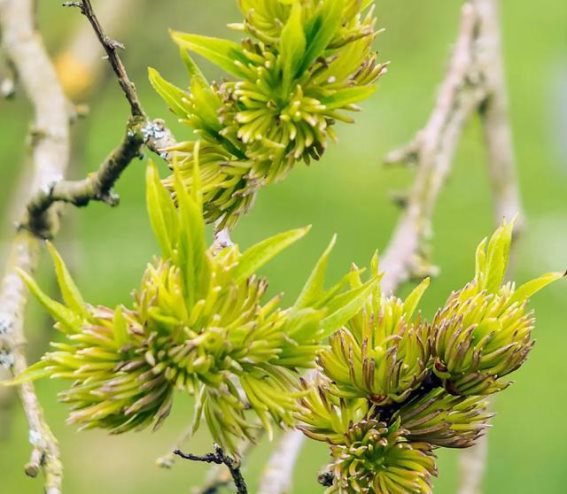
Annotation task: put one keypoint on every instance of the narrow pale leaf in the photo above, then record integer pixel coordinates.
(69, 291)
(161, 211)
(314, 287)
(413, 299)
(261, 253)
(70, 321)
(221, 52)
(171, 94)
(345, 306)
(525, 291)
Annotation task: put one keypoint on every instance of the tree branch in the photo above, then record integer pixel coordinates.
(433, 151)
(219, 476)
(495, 118)
(79, 64)
(50, 156)
(278, 473)
(111, 48)
(98, 186)
(504, 183)
(220, 458)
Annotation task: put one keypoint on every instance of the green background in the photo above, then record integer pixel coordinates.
(347, 193)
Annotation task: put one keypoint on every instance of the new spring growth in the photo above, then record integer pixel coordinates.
(198, 324)
(303, 66)
(484, 332)
(394, 386)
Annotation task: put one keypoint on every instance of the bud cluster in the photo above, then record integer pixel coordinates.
(199, 324)
(394, 386)
(301, 67)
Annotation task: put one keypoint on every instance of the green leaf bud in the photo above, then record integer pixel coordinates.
(484, 331)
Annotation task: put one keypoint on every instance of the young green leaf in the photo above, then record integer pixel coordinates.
(346, 305)
(314, 287)
(529, 288)
(322, 29)
(292, 46)
(347, 96)
(171, 94)
(161, 211)
(70, 321)
(221, 52)
(497, 253)
(195, 74)
(261, 253)
(413, 299)
(69, 291)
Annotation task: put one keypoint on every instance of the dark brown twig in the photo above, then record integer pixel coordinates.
(111, 48)
(220, 458)
(79, 64)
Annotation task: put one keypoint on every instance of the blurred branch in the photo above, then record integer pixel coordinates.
(8, 79)
(474, 83)
(503, 178)
(50, 155)
(80, 63)
(220, 458)
(24, 48)
(433, 150)
(278, 473)
(495, 118)
(472, 466)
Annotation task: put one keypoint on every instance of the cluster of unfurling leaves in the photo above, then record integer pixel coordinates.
(303, 65)
(390, 386)
(199, 324)
(394, 386)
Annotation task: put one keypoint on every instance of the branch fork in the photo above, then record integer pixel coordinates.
(220, 458)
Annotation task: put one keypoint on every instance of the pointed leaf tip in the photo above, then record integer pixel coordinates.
(69, 319)
(315, 286)
(263, 252)
(69, 290)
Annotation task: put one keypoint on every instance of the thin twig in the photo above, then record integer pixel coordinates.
(219, 476)
(50, 157)
(220, 458)
(111, 48)
(79, 64)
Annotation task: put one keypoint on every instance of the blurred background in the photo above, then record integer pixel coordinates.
(347, 193)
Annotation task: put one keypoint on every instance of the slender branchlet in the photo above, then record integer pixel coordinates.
(220, 458)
